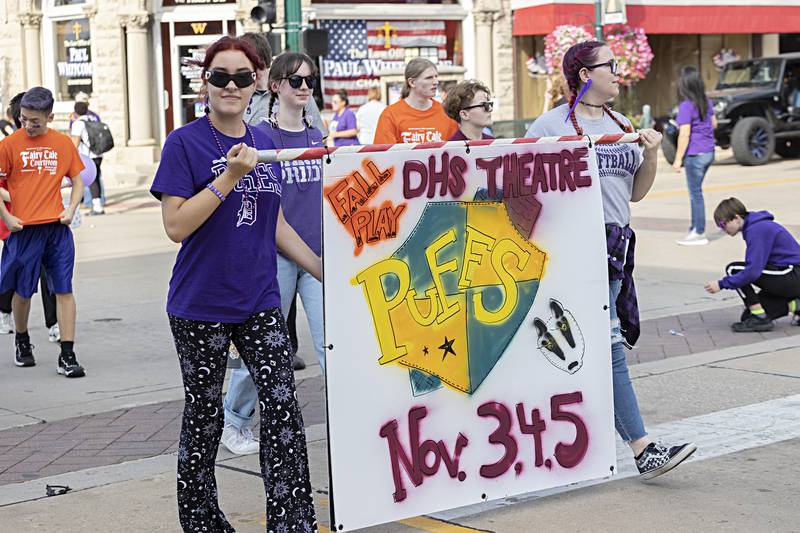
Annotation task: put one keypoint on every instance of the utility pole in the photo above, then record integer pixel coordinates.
(598, 20)
(293, 16)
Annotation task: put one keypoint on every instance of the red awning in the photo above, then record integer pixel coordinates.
(541, 20)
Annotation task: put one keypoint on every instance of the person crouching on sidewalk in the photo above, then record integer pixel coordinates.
(772, 263)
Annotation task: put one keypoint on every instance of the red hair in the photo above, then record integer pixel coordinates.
(232, 43)
(577, 57)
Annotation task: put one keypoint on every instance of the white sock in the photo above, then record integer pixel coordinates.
(97, 204)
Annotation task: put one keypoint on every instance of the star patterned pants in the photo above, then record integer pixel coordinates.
(263, 344)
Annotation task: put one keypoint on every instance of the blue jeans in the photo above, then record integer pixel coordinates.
(241, 398)
(696, 167)
(627, 418)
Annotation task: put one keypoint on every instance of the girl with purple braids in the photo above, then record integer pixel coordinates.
(626, 174)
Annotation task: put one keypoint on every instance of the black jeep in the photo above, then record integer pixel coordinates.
(757, 105)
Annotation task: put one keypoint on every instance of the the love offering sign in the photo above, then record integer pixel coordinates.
(467, 324)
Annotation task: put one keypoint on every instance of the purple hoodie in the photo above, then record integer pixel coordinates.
(767, 243)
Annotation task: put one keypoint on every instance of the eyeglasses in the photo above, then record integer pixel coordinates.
(487, 106)
(721, 224)
(221, 79)
(611, 64)
(295, 81)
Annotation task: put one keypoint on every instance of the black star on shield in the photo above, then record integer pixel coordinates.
(425, 350)
(447, 347)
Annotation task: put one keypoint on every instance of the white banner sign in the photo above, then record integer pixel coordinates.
(466, 317)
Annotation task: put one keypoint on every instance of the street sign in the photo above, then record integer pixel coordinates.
(467, 326)
(614, 12)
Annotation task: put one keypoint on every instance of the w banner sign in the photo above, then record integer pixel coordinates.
(467, 324)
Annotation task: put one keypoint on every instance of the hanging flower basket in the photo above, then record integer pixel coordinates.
(630, 47)
(632, 51)
(559, 41)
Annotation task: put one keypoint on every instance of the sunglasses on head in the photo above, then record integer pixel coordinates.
(611, 64)
(487, 106)
(221, 79)
(295, 81)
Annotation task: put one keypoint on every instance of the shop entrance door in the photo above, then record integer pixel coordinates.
(184, 45)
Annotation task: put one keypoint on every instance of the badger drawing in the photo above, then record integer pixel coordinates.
(560, 339)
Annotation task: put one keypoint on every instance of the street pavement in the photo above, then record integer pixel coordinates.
(111, 436)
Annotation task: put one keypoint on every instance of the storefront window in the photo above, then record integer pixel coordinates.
(73, 57)
(191, 59)
(58, 3)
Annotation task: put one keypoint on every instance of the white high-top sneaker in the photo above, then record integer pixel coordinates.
(693, 239)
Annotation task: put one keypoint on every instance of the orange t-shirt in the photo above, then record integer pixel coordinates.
(401, 123)
(34, 168)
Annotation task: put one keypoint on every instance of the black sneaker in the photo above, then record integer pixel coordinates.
(657, 459)
(298, 363)
(745, 315)
(24, 354)
(753, 323)
(69, 367)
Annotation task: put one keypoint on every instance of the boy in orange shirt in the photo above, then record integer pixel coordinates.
(417, 118)
(33, 161)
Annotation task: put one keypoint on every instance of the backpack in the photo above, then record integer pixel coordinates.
(100, 138)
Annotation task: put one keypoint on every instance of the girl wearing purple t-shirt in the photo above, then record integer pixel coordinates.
(292, 78)
(343, 130)
(223, 206)
(695, 149)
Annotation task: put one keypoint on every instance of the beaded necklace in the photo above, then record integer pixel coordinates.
(247, 194)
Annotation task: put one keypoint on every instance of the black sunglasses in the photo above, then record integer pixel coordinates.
(295, 81)
(611, 64)
(221, 79)
(487, 106)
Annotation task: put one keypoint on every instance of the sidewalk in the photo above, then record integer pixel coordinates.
(742, 410)
(49, 448)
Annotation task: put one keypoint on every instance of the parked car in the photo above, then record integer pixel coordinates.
(757, 105)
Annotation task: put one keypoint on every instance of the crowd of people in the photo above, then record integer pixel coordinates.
(268, 216)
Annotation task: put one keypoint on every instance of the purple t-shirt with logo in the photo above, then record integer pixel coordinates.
(701, 138)
(302, 183)
(226, 270)
(345, 121)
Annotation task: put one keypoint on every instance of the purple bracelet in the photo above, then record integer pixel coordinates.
(213, 189)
